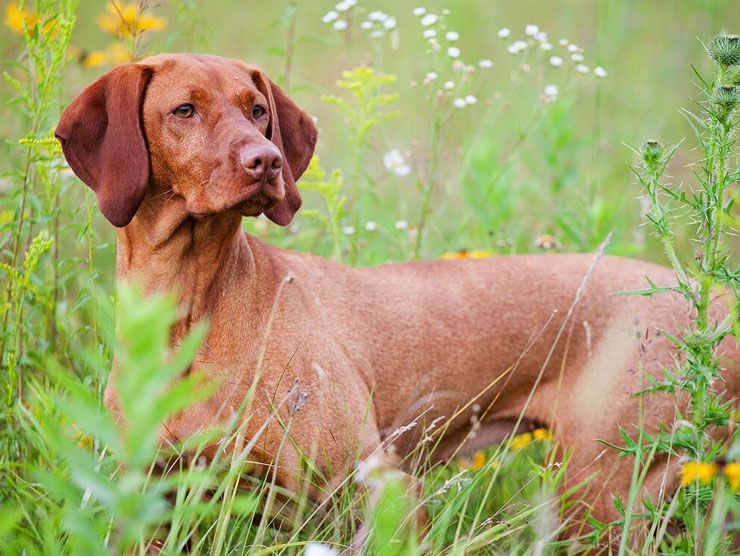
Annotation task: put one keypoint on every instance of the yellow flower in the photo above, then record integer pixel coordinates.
(15, 16)
(732, 472)
(119, 53)
(465, 254)
(96, 58)
(698, 471)
(521, 440)
(479, 460)
(542, 433)
(127, 21)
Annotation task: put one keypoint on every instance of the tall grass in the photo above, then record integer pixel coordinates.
(73, 481)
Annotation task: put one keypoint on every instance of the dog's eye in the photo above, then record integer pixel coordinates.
(258, 111)
(184, 111)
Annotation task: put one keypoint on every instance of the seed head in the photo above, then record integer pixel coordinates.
(725, 50)
(651, 152)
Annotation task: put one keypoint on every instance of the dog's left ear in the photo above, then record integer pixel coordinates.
(293, 132)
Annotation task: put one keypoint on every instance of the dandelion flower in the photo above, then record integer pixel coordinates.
(531, 30)
(459, 103)
(485, 63)
(599, 71)
(551, 90)
(732, 472)
(394, 162)
(503, 33)
(577, 57)
(470, 99)
(449, 85)
(453, 52)
(452, 36)
(418, 12)
(401, 225)
(693, 471)
(340, 24)
(581, 68)
(429, 19)
(556, 61)
(377, 16)
(371, 226)
(429, 33)
(330, 16)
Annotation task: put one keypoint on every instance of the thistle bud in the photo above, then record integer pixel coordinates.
(725, 50)
(725, 99)
(651, 153)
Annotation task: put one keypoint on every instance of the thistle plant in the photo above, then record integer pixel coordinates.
(711, 274)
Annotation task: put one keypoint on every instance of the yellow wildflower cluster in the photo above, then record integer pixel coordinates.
(127, 21)
(704, 472)
(16, 18)
(465, 254)
(519, 441)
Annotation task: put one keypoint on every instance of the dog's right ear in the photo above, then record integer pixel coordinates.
(102, 137)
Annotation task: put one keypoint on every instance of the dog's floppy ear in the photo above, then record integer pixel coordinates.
(293, 132)
(103, 140)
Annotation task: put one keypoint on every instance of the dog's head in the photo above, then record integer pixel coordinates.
(212, 130)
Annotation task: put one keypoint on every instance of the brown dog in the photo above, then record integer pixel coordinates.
(179, 147)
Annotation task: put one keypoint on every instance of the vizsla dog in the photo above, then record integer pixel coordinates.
(179, 147)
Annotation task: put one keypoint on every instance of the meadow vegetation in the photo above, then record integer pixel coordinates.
(466, 129)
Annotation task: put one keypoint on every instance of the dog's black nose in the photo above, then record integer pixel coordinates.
(261, 161)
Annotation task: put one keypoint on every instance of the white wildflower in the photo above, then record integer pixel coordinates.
(319, 549)
(577, 57)
(452, 36)
(432, 75)
(366, 25)
(551, 90)
(546, 46)
(429, 19)
(599, 71)
(377, 16)
(401, 225)
(580, 68)
(429, 33)
(394, 162)
(531, 30)
(449, 85)
(503, 33)
(470, 99)
(556, 61)
(563, 42)
(526, 68)
(340, 24)
(458, 65)
(345, 5)
(573, 48)
(541, 36)
(390, 23)
(330, 16)
(376, 34)
(459, 103)
(516, 47)
(371, 226)
(485, 63)
(348, 230)
(418, 12)
(453, 52)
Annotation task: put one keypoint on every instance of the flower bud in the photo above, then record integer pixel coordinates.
(727, 98)
(651, 152)
(725, 50)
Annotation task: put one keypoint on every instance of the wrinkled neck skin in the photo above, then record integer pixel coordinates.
(164, 249)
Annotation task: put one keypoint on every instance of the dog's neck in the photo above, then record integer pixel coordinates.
(164, 249)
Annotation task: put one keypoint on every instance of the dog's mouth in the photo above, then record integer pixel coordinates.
(253, 201)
